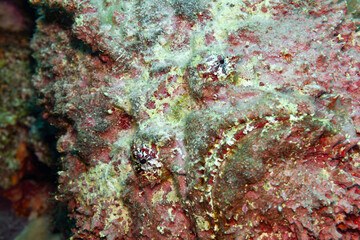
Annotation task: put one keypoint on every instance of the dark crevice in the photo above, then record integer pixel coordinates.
(61, 222)
(58, 15)
(83, 47)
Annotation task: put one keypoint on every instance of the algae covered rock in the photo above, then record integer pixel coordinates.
(203, 119)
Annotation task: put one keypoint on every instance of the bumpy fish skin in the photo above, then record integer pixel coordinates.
(204, 119)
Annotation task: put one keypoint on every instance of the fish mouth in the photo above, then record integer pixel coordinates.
(232, 146)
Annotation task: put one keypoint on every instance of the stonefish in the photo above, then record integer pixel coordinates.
(220, 119)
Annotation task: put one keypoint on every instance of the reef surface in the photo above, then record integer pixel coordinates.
(204, 119)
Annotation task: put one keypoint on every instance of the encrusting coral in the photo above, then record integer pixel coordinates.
(204, 119)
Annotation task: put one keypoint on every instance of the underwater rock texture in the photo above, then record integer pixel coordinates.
(204, 119)
(15, 91)
(23, 151)
(27, 181)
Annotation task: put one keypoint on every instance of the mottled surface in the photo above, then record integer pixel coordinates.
(26, 179)
(15, 91)
(199, 120)
(21, 136)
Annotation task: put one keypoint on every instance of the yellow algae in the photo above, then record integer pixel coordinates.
(158, 196)
(202, 224)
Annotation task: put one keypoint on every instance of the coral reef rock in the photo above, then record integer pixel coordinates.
(204, 119)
